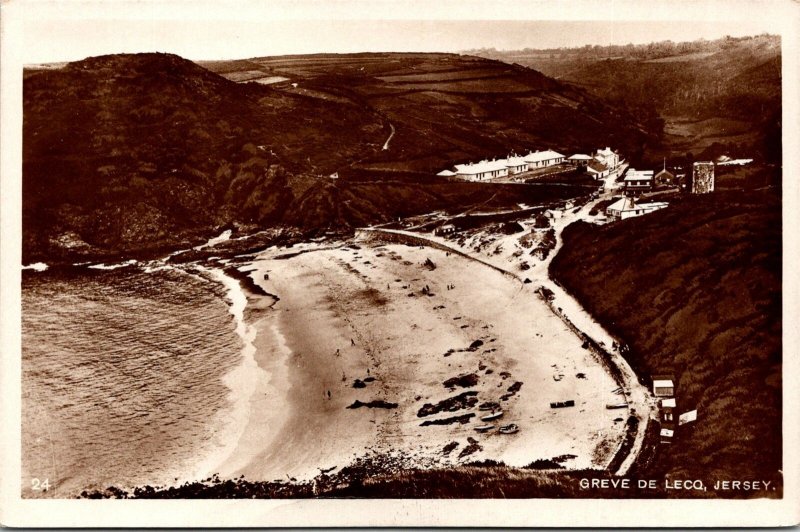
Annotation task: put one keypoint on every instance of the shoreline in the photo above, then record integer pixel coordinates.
(242, 380)
(583, 325)
(341, 338)
(289, 415)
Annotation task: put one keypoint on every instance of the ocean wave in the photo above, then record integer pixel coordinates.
(240, 380)
(222, 237)
(102, 266)
(36, 266)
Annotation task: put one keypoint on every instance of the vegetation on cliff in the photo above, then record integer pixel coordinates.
(705, 97)
(126, 153)
(695, 291)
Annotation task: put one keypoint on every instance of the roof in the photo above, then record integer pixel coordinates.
(446, 173)
(606, 152)
(687, 417)
(665, 172)
(639, 175)
(666, 383)
(597, 166)
(623, 204)
(481, 167)
(546, 155)
(580, 157)
(668, 403)
(703, 163)
(515, 161)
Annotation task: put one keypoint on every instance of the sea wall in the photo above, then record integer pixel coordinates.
(393, 236)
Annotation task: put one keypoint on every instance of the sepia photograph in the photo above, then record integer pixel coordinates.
(343, 254)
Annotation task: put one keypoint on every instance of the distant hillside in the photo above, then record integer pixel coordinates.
(710, 97)
(125, 153)
(695, 290)
(448, 108)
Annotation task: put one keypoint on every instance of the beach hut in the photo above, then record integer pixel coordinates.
(663, 386)
(668, 410)
(445, 229)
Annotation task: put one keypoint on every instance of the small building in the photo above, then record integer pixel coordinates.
(597, 170)
(482, 171)
(626, 207)
(516, 165)
(445, 229)
(446, 173)
(687, 417)
(637, 181)
(668, 410)
(667, 435)
(543, 159)
(665, 178)
(663, 387)
(608, 157)
(702, 177)
(579, 160)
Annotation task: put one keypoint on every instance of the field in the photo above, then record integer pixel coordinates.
(704, 97)
(449, 109)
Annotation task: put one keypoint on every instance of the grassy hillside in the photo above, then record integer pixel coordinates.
(695, 290)
(132, 152)
(449, 108)
(706, 97)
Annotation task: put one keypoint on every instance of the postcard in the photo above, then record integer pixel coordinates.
(301, 264)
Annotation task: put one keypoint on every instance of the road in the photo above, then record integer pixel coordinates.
(386, 144)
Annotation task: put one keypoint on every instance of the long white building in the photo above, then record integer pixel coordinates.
(516, 165)
(543, 159)
(511, 165)
(482, 170)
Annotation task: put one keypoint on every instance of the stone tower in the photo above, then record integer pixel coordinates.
(702, 177)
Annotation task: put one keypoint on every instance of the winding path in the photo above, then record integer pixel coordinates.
(386, 144)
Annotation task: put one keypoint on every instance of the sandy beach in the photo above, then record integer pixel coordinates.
(374, 324)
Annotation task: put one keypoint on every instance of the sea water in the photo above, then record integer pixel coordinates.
(124, 378)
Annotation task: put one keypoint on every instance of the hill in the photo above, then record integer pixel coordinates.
(448, 108)
(126, 153)
(704, 97)
(695, 290)
(132, 150)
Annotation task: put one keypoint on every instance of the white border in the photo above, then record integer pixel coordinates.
(15, 511)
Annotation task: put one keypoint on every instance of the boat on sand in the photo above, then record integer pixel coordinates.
(508, 429)
(493, 416)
